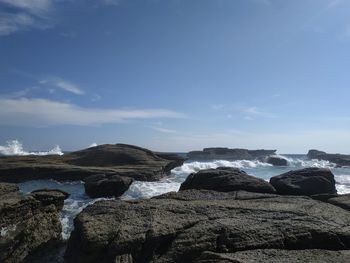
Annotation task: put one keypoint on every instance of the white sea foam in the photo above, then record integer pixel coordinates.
(14, 147)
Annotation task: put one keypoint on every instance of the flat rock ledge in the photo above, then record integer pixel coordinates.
(230, 227)
(28, 222)
(226, 179)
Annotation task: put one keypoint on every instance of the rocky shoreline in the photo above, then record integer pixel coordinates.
(218, 215)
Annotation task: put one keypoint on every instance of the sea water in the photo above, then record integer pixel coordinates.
(78, 200)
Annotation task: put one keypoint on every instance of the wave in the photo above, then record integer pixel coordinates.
(14, 147)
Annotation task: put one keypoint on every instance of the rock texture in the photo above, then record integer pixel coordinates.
(277, 161)
(342, 201)
(308, 181)
(229, 154)
(106, 185)
(175, 230)
(339, 159)
(277, 256)
(28, 222)
(226, 179)
(124, 160)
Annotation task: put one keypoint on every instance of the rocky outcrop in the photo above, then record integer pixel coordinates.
(339, 159)
(228, 154)
(342, 201)
(124, 160)
(170, 229)
(102, 185)
(277, 160)
(276, 256)
(308, 181)
(28, 222)
(226, 179)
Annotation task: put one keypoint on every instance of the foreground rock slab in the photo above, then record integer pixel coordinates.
(226, 179)
(308, 181)
(277, 256)
(28, 222)
(124, 160)
(342, 201)
(174, 230)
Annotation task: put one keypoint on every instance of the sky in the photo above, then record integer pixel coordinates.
(176, 75)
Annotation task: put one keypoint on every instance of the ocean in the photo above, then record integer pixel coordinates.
(78, 200)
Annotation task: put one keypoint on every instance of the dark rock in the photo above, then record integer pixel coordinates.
(226, 179)
(27, 222)
(228, 154)
(277, 161)
(339, 159)
(106, 185)
(51, 196)
(342, 201)
(308, 181)
(277, 256)
(124, 160)
(175, 230)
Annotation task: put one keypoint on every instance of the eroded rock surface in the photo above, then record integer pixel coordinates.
(226, 179)
(339, 159)
(170, 229)
(342, 201)
(28, 222)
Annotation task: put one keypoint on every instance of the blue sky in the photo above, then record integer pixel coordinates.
(176, 75)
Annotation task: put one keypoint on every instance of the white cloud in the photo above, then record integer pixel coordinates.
(252, 112)
(62, 84)
(163, 130)
(42, 112)
(31, 6)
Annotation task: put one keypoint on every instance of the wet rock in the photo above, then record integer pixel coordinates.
(342, 201)
(226, 179)
(277, 161)
(124, 160)
(308, 181)
(28, 222)
(277, 256)
(106, 185)
(339, 159)
(174, 230)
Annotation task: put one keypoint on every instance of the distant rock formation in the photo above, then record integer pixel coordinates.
(339, 159)
(122, 159)
(229, 154)
(276, 160)
(28, 222)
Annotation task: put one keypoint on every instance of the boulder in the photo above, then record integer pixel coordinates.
(106, 185)
(122, 159)
(339, 159)
(174, 230)
(277, 161)
(222, 153)
(342, 201)
(28, 222)
(308, 181)
(226, 179)
(276, 256)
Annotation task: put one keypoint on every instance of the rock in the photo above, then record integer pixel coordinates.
(174, 230)
(342, 201)
(51, 196)
(124, 160)
(226, 179)
(308, 181)
(28, 222)
(228, 154)
(277, 161)
(339, 159)
(277, 256)
(106, 185)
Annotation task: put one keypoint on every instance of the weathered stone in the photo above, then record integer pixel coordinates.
(106, 185)
(226, 179)
(175, 230)
(342, 201)
(339, 159)
(277, 161)
(308, 181)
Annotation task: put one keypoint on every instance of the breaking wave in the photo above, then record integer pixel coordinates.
(15, 147)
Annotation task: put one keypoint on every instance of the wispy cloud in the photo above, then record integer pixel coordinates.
(252, 112)
(62, 84)
(43, 112)
(161, 129)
